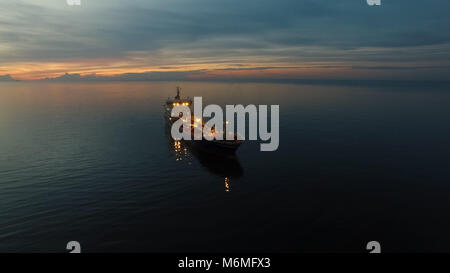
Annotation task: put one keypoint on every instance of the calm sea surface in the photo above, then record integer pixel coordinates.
(93, 162)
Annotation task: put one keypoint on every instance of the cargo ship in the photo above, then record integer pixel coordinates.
(225, 145)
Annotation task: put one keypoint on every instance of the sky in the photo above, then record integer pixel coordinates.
(226, 39)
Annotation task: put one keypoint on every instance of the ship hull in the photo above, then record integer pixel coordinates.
(213, 146)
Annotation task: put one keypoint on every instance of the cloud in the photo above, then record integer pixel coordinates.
(146, 76)
(358, 67)
(6, 78)
(168, 33)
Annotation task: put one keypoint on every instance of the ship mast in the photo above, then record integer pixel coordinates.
(177, 97)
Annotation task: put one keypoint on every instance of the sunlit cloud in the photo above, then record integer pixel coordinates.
(207, 39)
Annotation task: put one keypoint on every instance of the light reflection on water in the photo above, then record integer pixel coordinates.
(224, 166)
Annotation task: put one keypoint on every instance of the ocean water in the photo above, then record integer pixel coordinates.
(94, 163)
